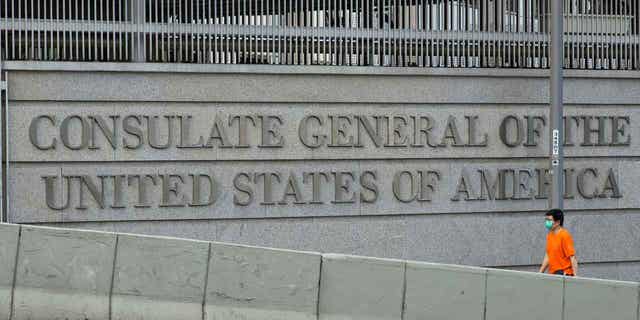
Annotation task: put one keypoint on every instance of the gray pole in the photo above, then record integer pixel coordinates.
(557, 123)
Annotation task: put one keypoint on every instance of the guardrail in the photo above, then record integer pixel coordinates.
(409, 33)
(49, 273)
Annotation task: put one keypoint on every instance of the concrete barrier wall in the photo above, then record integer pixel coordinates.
(73, 274)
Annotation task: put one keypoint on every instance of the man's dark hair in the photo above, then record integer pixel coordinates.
(557, 215)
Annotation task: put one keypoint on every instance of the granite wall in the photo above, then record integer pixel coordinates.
(437, 165)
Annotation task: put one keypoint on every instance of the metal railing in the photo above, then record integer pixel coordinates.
(599, 34)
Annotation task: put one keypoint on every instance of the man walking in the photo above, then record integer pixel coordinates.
(560, 256)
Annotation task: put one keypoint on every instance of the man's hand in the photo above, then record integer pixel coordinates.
(574, 265)
(545, 263)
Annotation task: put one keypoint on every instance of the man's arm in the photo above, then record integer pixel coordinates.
(545, 263)
(574, 265)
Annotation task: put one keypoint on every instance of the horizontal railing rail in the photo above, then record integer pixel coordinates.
(599, 34)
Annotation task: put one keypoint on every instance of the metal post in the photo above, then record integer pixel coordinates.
(557, 131)
(138, 45)
(3, 93)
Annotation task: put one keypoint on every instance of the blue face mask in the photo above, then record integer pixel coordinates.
(548, 224)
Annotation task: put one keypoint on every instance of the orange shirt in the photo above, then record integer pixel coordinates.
(560, 250)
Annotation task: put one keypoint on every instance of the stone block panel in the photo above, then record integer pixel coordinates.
(63, 274)
(361, 288)
(441, 292)
(525, 296)
(258, 283)
(589, 299)
(159, 278)
(9, 235)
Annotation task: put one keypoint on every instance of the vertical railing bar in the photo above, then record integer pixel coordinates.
(282, 26)
(13, 31)
(347, 33)
(178, 27)
(33, 33)
(174, 34)
(518, 32)
(159, 22)
(619, 35)
(268, 28)
(415, 39)
(406, 26)
(607, 33)
(7, 153)
(107, 34)
(603, 33)
(310, 30)
(595, 43)
(39, 38)
(187, 25)
(337, 33)
(229, 35)
(623, 39)
(76, 41)
(540, 33)
(344, 34)
(440, 42)
(534, 32)
(614, 35)
(589, 52)
(596, 29)
(191, 23)
(112, 35)
(236, 34)
(457, 24)
(126, 23)
(49, 20)
(206, 33)
(64, 32)
(531, 35)
(3, 91)
(521, 26)
(20, 22)
(55, 42)
(350, 30)
(467, 41)
(627, 40)
(101, 30)
(578, 37)
(330, 23)
(199, 35)
(119, 23)
(322, 39)
(154, 35)
(636, 34)
(301, 36)
(217, 22)
(5, 50)
(461, 19)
